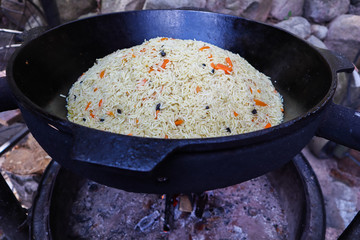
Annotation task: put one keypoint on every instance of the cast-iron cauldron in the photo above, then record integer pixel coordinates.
(44, 68)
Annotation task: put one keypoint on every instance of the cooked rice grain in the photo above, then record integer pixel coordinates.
(172, 88)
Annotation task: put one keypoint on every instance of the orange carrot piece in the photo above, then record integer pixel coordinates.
(163, 65)
(153, 96)
(151, 69)
(213, 65)
(260, 103)
(251, 90)
(95, 89)
(130, 134)
(198, 89)
(102, 73)
(259, 91)
(142, 82)
(166, 136)
(178, 122)
(100, 102)
(164, 38)
(236, 114)
(203, 48)
(268, 125)
(156, 114)
(226, 69)
(91, 114)
(88, 105)
(228, 60)
(110, 113)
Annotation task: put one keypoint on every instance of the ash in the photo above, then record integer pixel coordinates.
(250, 210)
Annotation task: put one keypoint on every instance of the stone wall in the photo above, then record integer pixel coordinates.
(333, 24)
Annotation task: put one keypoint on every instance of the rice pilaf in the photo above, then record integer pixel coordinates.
(172, 88)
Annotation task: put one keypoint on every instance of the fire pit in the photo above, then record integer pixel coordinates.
(283, 204)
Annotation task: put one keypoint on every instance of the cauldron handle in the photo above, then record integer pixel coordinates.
(7, 102)
(120, 151)
(337, 61)
(341, 125)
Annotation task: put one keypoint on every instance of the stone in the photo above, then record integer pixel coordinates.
(26, 158)
(26, 187)
(108, 6)
(344, 35)
(296, 25)
(355, 9)
(282, 9)
(316, 42)
(343, 208)
(169, 4)
(322, 11)
(332, 233)
(72, 9)
(319, 31)
(342, 177)
(252, 9)
(9, 117)
(349, 164)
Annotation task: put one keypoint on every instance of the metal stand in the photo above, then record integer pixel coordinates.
(13, 224)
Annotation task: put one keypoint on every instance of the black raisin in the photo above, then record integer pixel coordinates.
(74, 97)
(204, 64)
(158, 107)
(254, 111)
(119, 111)
(162, 53)
(213, 71)
(228, 130)
(101, 119)
(207, 107)
(84, 119)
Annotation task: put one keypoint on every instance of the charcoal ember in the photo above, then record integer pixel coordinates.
(185, 203)
(147, 222)
(199, 226)
(252, 212)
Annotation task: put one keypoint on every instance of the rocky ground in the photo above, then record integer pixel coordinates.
(327, 24)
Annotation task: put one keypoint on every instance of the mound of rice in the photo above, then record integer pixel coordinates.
(172, 88)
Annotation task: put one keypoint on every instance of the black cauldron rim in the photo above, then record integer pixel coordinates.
(326, 55)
